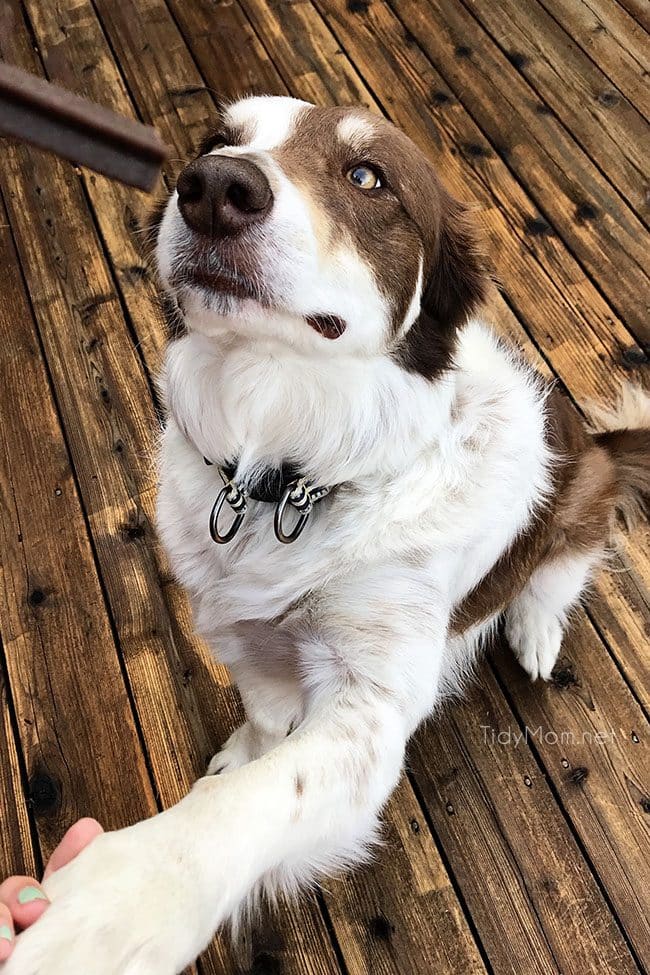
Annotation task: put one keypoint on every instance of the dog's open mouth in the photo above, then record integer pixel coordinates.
(224, 282)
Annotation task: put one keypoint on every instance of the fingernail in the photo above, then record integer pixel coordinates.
(5, 933)
(29, 894)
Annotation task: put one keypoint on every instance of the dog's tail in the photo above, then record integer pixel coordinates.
(626, 437)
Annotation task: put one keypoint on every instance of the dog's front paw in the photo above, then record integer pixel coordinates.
(244, 745)
(120, 908)
(237, 751)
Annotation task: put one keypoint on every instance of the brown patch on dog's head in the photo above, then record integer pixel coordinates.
(410, 231)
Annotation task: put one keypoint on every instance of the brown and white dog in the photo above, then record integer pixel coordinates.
(330, 368)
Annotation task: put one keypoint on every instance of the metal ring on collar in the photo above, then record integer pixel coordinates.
(297, 495)
(236, 498)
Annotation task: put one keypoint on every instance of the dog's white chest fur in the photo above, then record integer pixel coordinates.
(451, 492)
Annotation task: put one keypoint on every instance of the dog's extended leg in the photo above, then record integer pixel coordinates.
(152, 895)
(310, 804)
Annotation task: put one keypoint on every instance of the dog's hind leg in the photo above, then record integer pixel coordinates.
(536, 619)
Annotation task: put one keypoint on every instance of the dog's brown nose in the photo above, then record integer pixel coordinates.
(219, 196)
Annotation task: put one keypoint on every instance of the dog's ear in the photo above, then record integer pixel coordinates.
(458, 278)
(455, 286)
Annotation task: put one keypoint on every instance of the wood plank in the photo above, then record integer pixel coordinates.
(606, 236)
(82, 752)
(638, 9)
(530, 893)
(221, 35)
(323, 82)
(613, 40)
(77, 56)
(594, 744)
(619, 605)
(385, 915)
(17, 854)
(608, 127)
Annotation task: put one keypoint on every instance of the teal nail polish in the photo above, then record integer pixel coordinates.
(29, 894)
(5, 933)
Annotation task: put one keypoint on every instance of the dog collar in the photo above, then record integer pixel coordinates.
(281, 486)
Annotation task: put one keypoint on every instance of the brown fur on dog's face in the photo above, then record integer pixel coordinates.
(394, 264)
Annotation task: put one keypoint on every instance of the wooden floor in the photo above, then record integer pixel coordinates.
(518, 841)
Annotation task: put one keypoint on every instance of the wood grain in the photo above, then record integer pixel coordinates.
(606, 125)
(613, 39)
(17, 853)
(523, 877)
(80, 747)
(638, 9)
(594, 744)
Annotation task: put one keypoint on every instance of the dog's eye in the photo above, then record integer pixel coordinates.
(364, 177)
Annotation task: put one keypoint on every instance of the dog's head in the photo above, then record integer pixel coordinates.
(326, 228)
